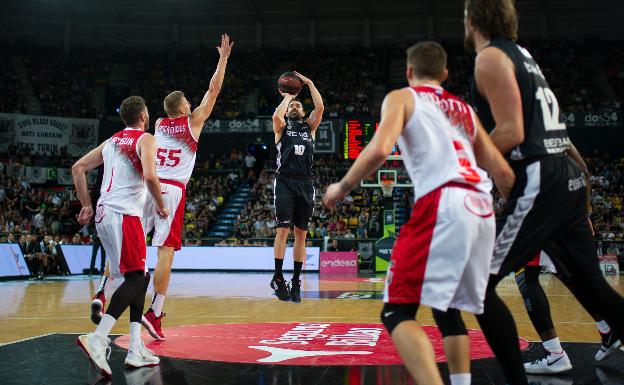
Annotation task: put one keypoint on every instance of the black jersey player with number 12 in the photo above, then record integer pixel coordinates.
(293, 187)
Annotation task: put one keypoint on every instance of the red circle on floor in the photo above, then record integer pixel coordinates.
(308, 343)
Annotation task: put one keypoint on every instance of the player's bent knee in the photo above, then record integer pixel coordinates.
(450, 322)
(393, 314)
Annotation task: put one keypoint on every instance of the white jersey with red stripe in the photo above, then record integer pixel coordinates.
(123, 189)
(176, 149)
(437, 142)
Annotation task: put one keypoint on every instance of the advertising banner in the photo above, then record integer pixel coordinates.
(48, 134)
(336, 262)
(12, 263)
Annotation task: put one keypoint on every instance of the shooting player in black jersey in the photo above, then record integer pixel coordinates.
(546, 208)
(293, 187)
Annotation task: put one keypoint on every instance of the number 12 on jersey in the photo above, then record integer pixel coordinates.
(168, 158)
(550, 109)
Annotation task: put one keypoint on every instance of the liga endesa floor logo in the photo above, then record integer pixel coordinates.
(294, 344)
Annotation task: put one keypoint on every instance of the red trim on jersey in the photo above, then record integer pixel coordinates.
(411, 251)
(168, 127)
(133, 249)
(457, 117)
(174, 239)
(174, 183)
(125, 143)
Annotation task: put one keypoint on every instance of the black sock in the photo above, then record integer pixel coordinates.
(278, 267)
(298, 266)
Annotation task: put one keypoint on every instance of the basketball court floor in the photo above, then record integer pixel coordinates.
(227, 328)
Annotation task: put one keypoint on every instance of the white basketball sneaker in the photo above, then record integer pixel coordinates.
(97, 350)
(141, 357)
(550, 364)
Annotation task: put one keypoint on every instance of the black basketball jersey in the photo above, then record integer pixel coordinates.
(295, 150)
(544, 132)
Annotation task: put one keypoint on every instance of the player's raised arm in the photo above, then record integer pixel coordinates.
(203, 111)
(496, 79)
(88, 162)
(147, 146)
(317, 114)
(278, 116)
(393, 112)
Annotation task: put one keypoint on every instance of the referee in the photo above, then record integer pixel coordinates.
(293, 187)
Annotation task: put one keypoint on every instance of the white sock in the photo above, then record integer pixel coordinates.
(603, 327)
(135, 336)
(103, 282)
(105, 326)
(460, 379)
(157, 304)
(553, 346)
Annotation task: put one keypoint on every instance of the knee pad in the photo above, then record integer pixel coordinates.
(393, 314)
(450, 322)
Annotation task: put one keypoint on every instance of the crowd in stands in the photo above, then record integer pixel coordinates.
(607, 198)
(11, 99)
(352, 79)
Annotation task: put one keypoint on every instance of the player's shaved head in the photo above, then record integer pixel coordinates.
(428, 60)
(173, 102)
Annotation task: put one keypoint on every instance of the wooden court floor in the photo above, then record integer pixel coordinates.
(34, 308)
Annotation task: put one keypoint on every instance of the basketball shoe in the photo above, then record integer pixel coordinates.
(97, 350)
(97, 307)
(152, 324)
(141, 357)
(549, 364)
(295, 291)
(281, 290)
(610, 344)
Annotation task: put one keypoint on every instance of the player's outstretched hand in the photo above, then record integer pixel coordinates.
(162, 212)
(304, 79)
(333, 194)
(85, 215)
(225, 49)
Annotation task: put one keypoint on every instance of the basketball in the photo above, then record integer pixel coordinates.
(289, 83)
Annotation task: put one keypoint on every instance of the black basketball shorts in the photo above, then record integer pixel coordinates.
(546, 211)
(294, 201)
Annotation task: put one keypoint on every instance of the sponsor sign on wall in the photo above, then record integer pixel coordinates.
(339, 262)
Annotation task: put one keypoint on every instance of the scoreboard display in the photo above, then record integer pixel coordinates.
(357, 134)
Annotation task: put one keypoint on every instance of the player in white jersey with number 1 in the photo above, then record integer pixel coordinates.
(177, 137)
(442, 256)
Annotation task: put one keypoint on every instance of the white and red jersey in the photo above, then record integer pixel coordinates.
(176, 149)
(123, 189)
(437, 142)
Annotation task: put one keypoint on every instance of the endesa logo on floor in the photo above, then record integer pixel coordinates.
(307, 343)
(338, 262)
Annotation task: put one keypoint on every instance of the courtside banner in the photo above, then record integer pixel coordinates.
(12, 263)
(78, 258)
(233, 258)
(333, 262)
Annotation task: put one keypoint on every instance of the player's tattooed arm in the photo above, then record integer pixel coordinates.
(496, 81)
(88, 162)
(203, 111)
(317, 114)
